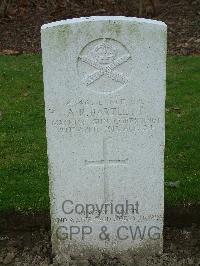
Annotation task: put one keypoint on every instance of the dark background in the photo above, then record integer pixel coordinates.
(20, 21)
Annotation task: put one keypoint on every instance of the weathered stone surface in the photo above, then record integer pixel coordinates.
(104, 81)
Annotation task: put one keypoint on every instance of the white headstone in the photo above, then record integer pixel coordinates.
(104, 80)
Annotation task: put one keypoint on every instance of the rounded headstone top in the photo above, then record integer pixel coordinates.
(101, 19)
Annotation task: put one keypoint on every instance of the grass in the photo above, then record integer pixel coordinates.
(23, 160)
(182, 157)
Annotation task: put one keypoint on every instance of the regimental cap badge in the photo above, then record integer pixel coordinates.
(104, 57)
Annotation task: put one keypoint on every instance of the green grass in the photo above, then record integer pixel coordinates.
(23, 160)
(182, 157)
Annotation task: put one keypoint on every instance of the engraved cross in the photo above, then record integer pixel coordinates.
(105, 163)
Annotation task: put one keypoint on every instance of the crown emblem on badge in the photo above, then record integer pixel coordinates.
(104, 53)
